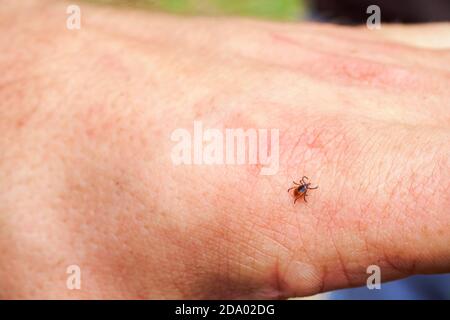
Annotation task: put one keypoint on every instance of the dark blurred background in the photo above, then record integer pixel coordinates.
(400, 11)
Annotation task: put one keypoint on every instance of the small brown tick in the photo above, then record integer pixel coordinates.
(301, 189)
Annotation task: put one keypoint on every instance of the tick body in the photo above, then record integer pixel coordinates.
(301, 189)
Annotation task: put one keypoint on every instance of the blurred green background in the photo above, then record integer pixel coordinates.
(266, 9)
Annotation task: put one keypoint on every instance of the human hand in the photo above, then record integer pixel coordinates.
(87, 118)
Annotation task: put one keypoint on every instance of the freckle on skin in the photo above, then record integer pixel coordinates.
(20, 123)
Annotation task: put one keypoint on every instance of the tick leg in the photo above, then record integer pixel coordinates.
(291, 189)
(313, 187)
(304, 198)
(303, 179)
(296, 200)
(295, 183)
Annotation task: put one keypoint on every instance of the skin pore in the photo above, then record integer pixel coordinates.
(86, 118)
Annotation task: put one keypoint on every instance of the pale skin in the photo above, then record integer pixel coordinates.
(87, 179)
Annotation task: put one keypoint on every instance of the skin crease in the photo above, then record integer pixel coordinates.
(87, 179)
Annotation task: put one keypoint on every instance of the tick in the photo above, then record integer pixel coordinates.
(301, 188)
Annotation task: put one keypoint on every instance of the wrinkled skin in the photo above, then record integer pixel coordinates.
(86, 175)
